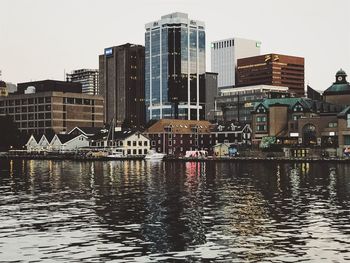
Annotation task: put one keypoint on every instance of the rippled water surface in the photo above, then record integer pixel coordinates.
(138, 211)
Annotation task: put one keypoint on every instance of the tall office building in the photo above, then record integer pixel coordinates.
(122, 84)
(211, 91)
(224, 56)
(272, 69)
(175, 59)
(88, 79)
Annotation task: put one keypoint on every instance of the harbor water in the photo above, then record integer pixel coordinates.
(156, 211)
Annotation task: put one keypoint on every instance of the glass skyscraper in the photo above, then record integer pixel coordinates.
(174, 61)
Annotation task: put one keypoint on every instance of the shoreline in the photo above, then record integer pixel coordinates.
(177, 159)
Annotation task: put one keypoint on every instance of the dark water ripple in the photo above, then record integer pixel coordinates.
(173, 212)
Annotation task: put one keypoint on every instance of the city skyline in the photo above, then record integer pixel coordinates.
(38, 43)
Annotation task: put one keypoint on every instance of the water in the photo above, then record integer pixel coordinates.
(138, 211)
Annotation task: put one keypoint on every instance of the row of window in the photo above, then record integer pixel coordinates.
(261, 119)
(134, 143)
(223, 44)
(25, 101)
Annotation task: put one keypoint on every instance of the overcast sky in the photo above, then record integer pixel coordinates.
(40, 39)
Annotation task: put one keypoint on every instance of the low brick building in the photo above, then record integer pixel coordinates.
(175, 137)
(294, 120)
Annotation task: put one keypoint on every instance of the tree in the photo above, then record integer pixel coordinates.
(10, 136)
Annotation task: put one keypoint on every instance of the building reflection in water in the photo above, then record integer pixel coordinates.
(252, 211)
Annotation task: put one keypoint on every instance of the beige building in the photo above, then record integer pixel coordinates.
(52, 111)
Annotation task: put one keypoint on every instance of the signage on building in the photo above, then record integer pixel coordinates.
(108, 51)
(294, 134)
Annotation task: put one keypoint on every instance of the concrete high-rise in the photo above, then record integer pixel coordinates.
(175, 59)
(122, 84)
(224, 56)
(88, 79)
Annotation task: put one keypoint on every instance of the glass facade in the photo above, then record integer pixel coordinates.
(175, 58)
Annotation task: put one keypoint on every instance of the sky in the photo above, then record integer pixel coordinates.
(42, 39)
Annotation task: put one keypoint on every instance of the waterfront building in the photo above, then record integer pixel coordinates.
(231, 133)
(88, 79)
(221, 150)
(175, 137)
(32, 143)
(122, 84)
(339, 91)
(210, 80)
(272, 69)
(294, 121)
(56, 142)
(68, 142)
(48, 85)
(175, 59)
(130, 142)
(51, 111)
(236, 104)
(224, 56)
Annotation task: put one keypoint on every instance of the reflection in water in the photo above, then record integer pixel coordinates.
(138, 211)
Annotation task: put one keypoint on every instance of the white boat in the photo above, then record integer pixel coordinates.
(115, 153)
(153, 155)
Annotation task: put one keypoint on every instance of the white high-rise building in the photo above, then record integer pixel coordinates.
(224, 55)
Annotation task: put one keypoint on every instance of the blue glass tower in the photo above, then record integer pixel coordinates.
(174, 61)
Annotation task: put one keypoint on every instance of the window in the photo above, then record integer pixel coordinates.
(298, 108)
(333, 125)
(347, 139)
(296, 117)
(169, 143)
(140, 151)
(140, 143)
(261, 119)
(145, 151)
(261, 128)
(153, 143)
(128, 143)
(145, 143)
(261, 109)
(129, 151)
(134, 143)
(348, 120)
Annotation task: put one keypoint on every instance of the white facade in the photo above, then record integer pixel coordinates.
(32, 144)
(70, 145)
(44, 144)
(135, 144)
(224, 55)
